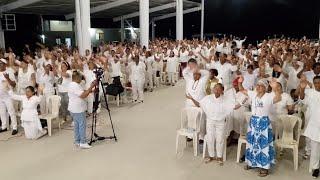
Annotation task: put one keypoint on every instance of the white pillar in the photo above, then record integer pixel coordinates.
(179, 19)
(122, 29)
(202, 20)
(2, 39)
(153, 30)
(78, 28)
(144, 23)
(85, 24)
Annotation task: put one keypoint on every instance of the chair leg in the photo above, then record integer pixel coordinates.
(225, 150)
(49, 126)
(295, 158)
(118, 100)
(195, 145)
(239, 151)
(177, 143)
(204, 153)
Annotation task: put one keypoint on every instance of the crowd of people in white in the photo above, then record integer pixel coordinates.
(224, 78)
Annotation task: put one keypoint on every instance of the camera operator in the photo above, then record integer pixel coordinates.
(77, 107)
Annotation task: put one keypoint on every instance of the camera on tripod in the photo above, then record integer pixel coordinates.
(98, 72)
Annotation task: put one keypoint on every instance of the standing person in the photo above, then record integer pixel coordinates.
(63, 83)
(260, 151)
(216, 120)
(172, 66)
(26, 77)
(89, 77)
(311, 97)
(45, 79)
(6, 103)
(137, 79)
(149, 63)
(212, 81)
(29, 116)
(77, 108)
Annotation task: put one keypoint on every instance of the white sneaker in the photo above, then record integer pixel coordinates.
(76, 145)
(85, 146)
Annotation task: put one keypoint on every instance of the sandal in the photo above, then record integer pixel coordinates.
(246, 167)
(220, 161)
(263, 173)
(209, 159)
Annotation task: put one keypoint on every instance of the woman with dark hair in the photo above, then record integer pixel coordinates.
(64, 76)
(29, 115)
(212, 81)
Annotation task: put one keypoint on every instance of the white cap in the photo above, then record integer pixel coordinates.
(3, 60)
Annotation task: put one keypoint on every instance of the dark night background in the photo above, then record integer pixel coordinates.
(256, 19)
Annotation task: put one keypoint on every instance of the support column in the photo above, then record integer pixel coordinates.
(2, 39)
(144, 22)
(122, 29)
(202, 21)
(179, 19)
(85, 24)
(153, 30)
(78, 28)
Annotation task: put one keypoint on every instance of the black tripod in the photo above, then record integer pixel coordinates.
(94, 136)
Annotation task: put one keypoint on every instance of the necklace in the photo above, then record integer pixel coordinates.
(194, 86)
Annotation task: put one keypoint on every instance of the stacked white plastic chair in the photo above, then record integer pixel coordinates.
(290, 136)
(52, 112)
(190, 127)
(242, 139)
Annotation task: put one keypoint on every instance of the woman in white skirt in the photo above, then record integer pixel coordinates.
(29, 115)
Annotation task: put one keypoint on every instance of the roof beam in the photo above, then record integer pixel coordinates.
(152, 10)
(174, 14)
(103, 7)
(191, 2)
(16, 4)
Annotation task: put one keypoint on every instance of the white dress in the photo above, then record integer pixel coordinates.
(29, 115)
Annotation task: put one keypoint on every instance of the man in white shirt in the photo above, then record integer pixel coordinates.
(77, 107)
(7, 80)
(311, 97)
(225, 70)
(215, 120)
(137, 78)
(249, 78)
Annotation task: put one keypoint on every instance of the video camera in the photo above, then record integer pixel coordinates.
(98, 72)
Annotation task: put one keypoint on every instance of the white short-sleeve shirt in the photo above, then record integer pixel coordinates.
(261, 106)
(76, 104)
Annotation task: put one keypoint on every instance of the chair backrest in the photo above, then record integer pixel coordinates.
(53, 105)
(191, 117)
(291, 128)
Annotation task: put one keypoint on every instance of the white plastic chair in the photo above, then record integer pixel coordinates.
(242, 138)
(190, 127)
(52, 111)
(290, 136)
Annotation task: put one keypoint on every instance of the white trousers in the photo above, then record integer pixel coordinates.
(215, 138)
(150, 79)
(90, 100)
(171, 78)
(315, 155)
(43, 102)
(6, 107)
(137, 89)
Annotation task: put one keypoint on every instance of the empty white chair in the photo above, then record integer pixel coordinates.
(52, 111)
(242, 138)
(190, 127)
(290, 136)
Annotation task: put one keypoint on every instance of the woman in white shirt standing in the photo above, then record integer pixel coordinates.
(26, 77)
(77, 107)
(29, 116)
(63, 83)
(260, 152)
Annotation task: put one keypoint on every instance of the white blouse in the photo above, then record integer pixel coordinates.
(261, 106)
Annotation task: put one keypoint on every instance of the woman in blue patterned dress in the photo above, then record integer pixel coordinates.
(260, 152)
